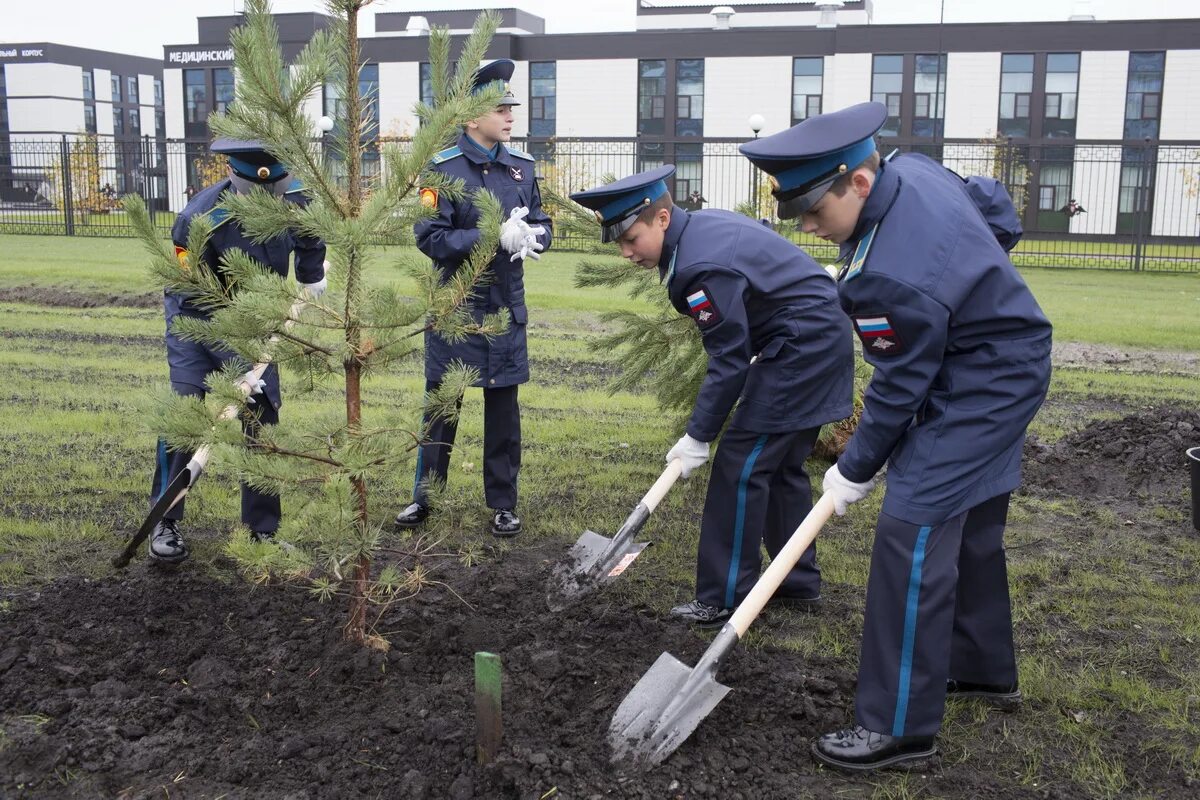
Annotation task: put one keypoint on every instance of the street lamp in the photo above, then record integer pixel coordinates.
(757, 123)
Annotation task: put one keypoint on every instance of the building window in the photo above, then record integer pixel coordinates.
(689, 172)
(651, 155)
(131, 93)
(689, 97)
(543, 112)
(1016, 94)
(887, 79)
(160, 123)
(652, 97)
(223, 91)
(89, 118)
(1143, 95)
(929, 95)
(368, 94)
(426, 72)
(89, 85)
(158, 92)
(116, 88)
(807, 77)
(135, 122)
(195, 97)
(1062, 90)
(118, 122)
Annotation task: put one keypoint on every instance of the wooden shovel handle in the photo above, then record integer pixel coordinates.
(781, 565)
(663, 485)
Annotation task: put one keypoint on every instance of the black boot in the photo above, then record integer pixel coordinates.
(1006, 697)
(505, 523)
(808, 605)
(166, 543)
(262, 536)
(702, 614)
(413, 516)
(860, 750)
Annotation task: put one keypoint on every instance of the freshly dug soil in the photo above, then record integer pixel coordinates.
(1114, 461)
(68, 298)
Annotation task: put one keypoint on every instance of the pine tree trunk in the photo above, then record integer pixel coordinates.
(356, 625)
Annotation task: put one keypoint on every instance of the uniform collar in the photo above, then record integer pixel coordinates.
(674, 232)
(474, 151)
(879, 201)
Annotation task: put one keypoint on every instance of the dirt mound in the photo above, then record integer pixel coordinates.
(167, 680)
(1115, 460)
(69, 298)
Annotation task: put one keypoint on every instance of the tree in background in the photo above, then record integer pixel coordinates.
(659, 348)
(349, 333)
(80, 184)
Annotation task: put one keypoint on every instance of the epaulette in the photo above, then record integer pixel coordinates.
(219, 216)
(295, 187)
(855, 265)
(447, 154)
(521, 154)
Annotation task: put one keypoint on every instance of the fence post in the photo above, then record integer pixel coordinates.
(67, 190)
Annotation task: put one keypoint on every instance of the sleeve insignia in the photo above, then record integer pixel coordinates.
(429, 197)
(877, 334)
(181, 253)
(702, 308)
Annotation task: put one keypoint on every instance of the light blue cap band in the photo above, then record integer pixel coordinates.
(250, 171)
(812, 169)
(629, 200)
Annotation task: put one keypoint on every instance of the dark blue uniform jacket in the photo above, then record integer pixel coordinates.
(752, 292)
(448, 239)
(227, 235)
(960, 347)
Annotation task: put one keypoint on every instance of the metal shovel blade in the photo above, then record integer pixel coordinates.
(663, 709)
(592, 560)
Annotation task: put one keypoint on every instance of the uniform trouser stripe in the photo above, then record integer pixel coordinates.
(740, 521)
(164, 477)
(910, 631)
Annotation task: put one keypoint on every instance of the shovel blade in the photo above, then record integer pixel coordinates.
(592, 561)
(662, 710)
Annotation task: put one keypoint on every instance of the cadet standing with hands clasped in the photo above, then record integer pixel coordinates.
(751, 293)
(191, 362)
(483, 161)
(961, 353)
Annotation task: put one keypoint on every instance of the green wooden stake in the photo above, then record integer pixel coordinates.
(489, 725)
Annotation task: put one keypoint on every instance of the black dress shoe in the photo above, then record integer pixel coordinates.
(262, 536)
(412, 516)
(1006, 697)
(505, 523)
(809, 605)
(166, 543)
(702, 614)
(860, 750)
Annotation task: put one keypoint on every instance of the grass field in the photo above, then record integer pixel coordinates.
(77, 452)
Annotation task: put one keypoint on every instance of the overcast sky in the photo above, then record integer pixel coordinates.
(142, 27)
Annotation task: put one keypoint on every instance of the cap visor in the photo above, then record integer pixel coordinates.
(612, 232)
(790, 209)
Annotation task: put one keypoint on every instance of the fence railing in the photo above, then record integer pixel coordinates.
(1100, 205)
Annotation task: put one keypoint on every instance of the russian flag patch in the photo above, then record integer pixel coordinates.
(878, 335)
(702, 308)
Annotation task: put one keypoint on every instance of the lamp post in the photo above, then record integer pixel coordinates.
(756, 123)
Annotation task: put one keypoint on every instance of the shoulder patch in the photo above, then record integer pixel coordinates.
(702, 308)
(428, 197)
(855, 265)
(877, 334)
(520, 154)
(447, 154)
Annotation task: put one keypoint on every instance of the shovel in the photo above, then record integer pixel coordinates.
(670, 700)
(594, 559)
(178, 488)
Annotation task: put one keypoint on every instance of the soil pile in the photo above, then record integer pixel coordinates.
(1116, 460)
(69, 298)
(127, 687)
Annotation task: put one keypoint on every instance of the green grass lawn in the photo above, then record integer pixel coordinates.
(77, 449)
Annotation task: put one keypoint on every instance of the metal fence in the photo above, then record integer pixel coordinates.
(1099, 205)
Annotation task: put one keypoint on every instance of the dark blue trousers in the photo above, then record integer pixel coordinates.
(937, 608)
(501, 448)
(758, 494)
(260, 512)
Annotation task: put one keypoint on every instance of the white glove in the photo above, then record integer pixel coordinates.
(692, 452)
(514, 230)
(530, 246)
(252, 386)
(845, 491)
(317, 289)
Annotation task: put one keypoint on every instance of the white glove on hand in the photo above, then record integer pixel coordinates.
(317, 289)
(514, 230)
(692, 452)
(530, 246)
(253, 384)
(845, 491)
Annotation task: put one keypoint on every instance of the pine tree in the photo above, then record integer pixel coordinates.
(345, 335)
(659, 348)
